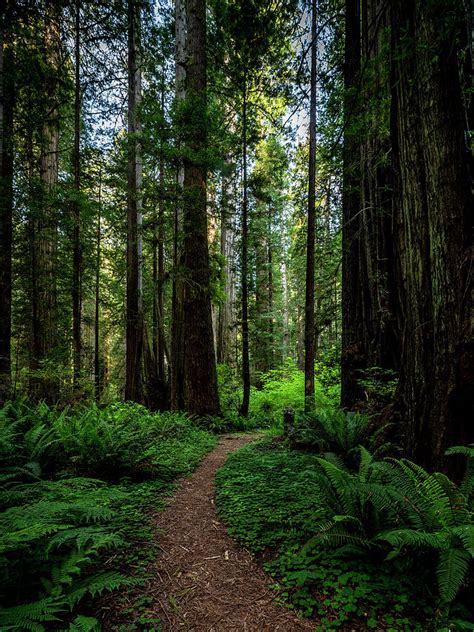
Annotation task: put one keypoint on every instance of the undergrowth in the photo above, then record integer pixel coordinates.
(357, 542)
(75, 488)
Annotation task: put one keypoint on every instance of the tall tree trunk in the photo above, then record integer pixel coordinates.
(97, 368)
(77, 250)
(369, 332)
(223, 321)
(201, 394)
(157, 386)
(262, 352)
(177, 324)
(45, 317)
(309, 335)
(244, 408)
(160, 351)
(134, 334)
(7, 92)
(271, 340)
(435, 396)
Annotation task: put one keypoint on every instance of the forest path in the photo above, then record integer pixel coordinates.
(204, 581)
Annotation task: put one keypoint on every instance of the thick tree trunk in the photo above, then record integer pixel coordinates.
(201, 395)
(45, 317)
(435, 396)
(7, 98)
(370, 334)
(244, 408)
(177, 324)
(134, 333)
(77, 250)
(309, 332)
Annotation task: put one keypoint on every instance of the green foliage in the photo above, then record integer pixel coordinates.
(268, 495)
(284, 388)
(342, 589)
(47, 539)
(342, 527)
(108, 443)
(337, 431)
(56, 527)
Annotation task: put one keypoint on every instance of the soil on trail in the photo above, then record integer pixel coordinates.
(203, 580)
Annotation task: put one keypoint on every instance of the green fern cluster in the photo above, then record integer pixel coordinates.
(107, 443)
(390, 513)
(331, 430)
(398, 503)
(53, 532)
(56, 525)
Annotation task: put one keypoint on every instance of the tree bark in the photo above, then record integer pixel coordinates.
(435, 396)
(224, 323)
(177, 325)
(45, 385)
(134, 333)
(97, 368)
(7, 99)
(201, 394)
(244, 408)
(370, 336)
(77, 250)
(309, 335)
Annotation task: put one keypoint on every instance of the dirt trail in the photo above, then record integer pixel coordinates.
(203, 580)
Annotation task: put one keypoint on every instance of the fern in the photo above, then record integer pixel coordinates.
(84, 624)
(451, 572)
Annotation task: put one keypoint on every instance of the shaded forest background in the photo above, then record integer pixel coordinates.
(160, 194)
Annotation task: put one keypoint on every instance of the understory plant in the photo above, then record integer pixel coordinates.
(389, 515)
(72, 499)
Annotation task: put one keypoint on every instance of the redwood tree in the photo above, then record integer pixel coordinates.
(430, 63)
(6, 194)
(134, 333)
(201, 396)
(309, 334)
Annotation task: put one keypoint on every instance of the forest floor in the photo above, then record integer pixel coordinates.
(203, 580)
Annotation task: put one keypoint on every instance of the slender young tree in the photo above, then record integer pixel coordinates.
(201, 394)
(134, 333)
(310, 346)
(97, 367)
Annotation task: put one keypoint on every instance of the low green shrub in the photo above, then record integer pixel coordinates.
(57, 526)
(107, 443)
(401, 525)
(48, 537)
(331, 430)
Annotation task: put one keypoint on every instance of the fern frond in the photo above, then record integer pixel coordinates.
(451, 572)
(31, 616)
(84, 624)
(97, 584)
(415, 539)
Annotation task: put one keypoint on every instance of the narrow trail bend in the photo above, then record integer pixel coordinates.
(203, 581)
